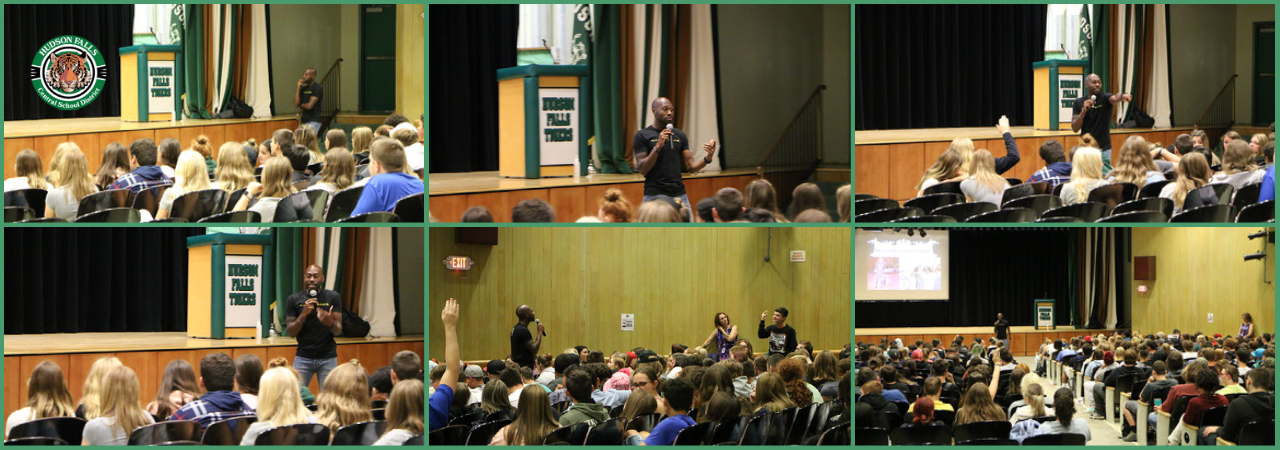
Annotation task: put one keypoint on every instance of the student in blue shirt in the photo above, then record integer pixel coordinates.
(442, 399)
(389, 182)
(675, 401)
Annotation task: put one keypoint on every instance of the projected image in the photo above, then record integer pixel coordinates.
(901, 265)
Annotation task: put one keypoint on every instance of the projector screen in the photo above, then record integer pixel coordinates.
(893, 265)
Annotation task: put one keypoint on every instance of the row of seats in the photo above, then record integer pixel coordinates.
(69, 431)
(1032, 202)
(210, 205)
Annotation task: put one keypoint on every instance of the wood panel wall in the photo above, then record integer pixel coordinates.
(409, 60)
(573, 202)
(892, 170)
(675, 280)
(150, 365)
(93, 144)
(1020, 343)
(1201, 271)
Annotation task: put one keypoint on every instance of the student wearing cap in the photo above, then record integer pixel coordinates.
(782, 338)
(475, 383)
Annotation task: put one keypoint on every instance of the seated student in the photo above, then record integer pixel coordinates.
(844, 204)
(443, 396)
(728, 207)
(344, 398)
(675, 402)
(72, 184)
(275, 186)
(922, 414)
(1238, 166)
(1193, 173)
(178, 386)
(950, 166)
(978, 406)
(408, 138)
(248, 372)
(404, 413)
(336, 138)
(1129, 369)
(201, 145)
(221, 402)
(983, 184)
(793, 371)
(1206, 380)
(614, 207)
(189, 177)
(872, 404)
(658, 211)
(167, 152)
(477, 214)
(1134, 164)
(805, 197)
(639, 403)
(1056, 170)
(281, 405)
(811, 216)
(120, 412)
(1033, 396)
(90, 404)
(30, 172)
(1064, 407)
(234, 170)
(1187, 388)
(47, 396)
(1259, 404)
(338, 173)
(932, 389)
(308, 398)
(825, 374)
(1269, 178)
(533, 421)
(298, 159)
(1158, 380)
(307, 138)
(389, 182)
(761, 194)
(533, 211)
(1229, 378)
(1086, 175)
(578, 386)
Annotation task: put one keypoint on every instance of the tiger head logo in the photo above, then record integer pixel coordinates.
(68, 73)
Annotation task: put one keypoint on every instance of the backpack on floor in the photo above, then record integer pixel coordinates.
(354, 326)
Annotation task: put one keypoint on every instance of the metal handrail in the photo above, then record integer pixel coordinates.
(332, 100)
(1230, 84)
(815, 101)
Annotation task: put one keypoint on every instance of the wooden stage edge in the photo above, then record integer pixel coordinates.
(873, 137)
(54, 127)
(71, 343)
(1024, 340)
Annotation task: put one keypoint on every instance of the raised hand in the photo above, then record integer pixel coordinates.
(308, 306)
(1003, 124)
(764, 314)
(710, 148)
(325, 316)
(450, 314)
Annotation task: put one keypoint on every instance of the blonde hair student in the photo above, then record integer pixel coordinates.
(30, 172)
(47, 396)
(277, 177)
(119, 410)
(950, 166)
(279, 404)
(1193, 173)
(71, 184)
(190, 176)
(234, 171)
(344, 398)
(404, 413)
(983, 184)
(1086, 175)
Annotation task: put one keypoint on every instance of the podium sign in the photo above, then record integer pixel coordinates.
(1058, 83)
(243, 291)
(1044, 314)
(544, 117)
(558, 114)
(228, 275)
(150, 83)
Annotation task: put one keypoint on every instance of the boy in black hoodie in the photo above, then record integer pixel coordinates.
(1258, 404)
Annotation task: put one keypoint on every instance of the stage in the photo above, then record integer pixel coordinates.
(93, 134)
(891, 162)
(149, 353)
(452, 193)
(1023, 340)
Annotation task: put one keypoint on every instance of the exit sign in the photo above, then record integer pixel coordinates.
(458, 263)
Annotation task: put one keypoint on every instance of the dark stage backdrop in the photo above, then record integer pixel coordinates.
(469, 43)
(992, 271)
(74, 280)
(935, 66)
(27, 27)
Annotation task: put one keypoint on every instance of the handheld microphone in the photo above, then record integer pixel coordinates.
(671, 128)
(313, 293)
(1094, 98)
(539, 322)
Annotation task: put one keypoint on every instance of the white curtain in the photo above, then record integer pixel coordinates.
(1160, 104)
(700, 114)
(258, 87)
(377, 304)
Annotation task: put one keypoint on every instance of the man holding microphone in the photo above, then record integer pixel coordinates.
(1092, 114)
(525, 345)
(314, 317)
(662, 153)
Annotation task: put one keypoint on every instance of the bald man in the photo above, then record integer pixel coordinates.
(662, 155)
(314, 317)
(306, 97)
(524, 344)
(1092, 114)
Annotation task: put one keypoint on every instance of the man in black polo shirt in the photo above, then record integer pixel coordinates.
(524, 345)
(307, 97)
(1092, 114)
(662, 154)
(314, 317)
(1002, 329)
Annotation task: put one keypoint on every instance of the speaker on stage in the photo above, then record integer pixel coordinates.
(150, 83)
(544, 114)
(1058, 82)
(228, 277)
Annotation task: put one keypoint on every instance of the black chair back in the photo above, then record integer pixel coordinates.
(1210, 213)
(869, 436)
(315, 168)
(410, 208)
(575, 434)
(69, 429)
(861, 207)
(1224, 192)
(363, 433)
(644, 422)
(31, 198)
(1258, 213)
(616, 411)
(1010, 215)
(729, 430)
(1055, 439)
(38, 440)
(1113, 194)
(889, 214)
(1013, 181)
(1136, 217)
(1087, 212)
(113, 215)
(234, 197)
(502, 414)
(305, 206)
(989, 441)
(1152, 189)
(14, 214)
(754, 432)
(450, 435)
(921, 435)
(98, 201)
(949, 186)
(1246, 195)
(414, 441)
(483, 434)
(234, 217)
(857, 197)
(926, 219)
(379, 414)
(373, 217)
(377, 404)
(798, 426)
(1213, 417)
(1157, 204)
(698, 434)
(343, 203)
(227, 432)
(931, 202)
(608, 432)
(839, 435)
(468, 419)
(300, 434)
(1017, 191)
(176, 430)
(1038, 203)
(197, 205)
(1179, 407)
(998, 429)
(1060, 219)
(947, 417)
(149, 199)
(1258, 432)
(963, 211)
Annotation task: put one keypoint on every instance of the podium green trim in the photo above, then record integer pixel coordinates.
(213, 298)
(1046, 92)
(519, 143)
(140, 112)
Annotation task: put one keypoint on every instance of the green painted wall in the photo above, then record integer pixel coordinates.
(313, 36)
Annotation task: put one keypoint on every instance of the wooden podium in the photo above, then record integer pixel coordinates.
(1058, 82)
(1044, 314)
(150, 83)
(228, 286)
(542, 114)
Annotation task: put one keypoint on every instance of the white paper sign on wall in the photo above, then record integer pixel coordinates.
(628, 322)
(797, 256)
